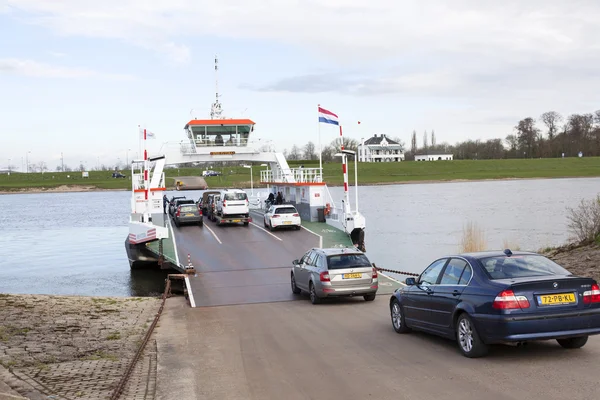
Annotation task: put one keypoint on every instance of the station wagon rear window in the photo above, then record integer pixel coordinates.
(235, 196)
(521, 266)
(188, 209)
(342, 261)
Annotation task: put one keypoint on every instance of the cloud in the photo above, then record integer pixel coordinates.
(340, 29)
(510, 50)
(56, 54)
(35, 69)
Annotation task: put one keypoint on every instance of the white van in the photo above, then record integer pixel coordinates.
(233, 202)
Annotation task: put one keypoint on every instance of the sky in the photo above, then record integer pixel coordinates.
(77, 77)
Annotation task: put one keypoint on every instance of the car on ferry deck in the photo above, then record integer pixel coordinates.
(334, 272)
(233, 202)
(282, 216)
(487, 298)
(186, 211)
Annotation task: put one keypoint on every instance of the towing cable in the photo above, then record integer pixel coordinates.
(119, 389)
(394, 271)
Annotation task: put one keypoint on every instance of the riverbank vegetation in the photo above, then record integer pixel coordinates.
(549, 136)
(581, 256)
(368, 173)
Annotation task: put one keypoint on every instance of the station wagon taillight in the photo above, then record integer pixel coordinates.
(506, 300)
(296, 215)
(374, 276)
(592, 296)
(276, 216)
(178, 213)
(324, 277)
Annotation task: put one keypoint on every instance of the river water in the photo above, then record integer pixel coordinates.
(73, 243)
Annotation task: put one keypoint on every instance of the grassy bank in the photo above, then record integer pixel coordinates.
(369, 173)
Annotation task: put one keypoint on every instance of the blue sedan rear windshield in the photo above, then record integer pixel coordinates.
(521, 266)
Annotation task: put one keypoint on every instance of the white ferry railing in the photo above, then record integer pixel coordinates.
(300, 175)
(257, 201)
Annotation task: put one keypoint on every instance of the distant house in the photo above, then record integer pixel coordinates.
(380, 148)
(434, 157)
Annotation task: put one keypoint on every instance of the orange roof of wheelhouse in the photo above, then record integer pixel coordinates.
(220, 122)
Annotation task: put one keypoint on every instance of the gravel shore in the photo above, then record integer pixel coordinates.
(73, 347)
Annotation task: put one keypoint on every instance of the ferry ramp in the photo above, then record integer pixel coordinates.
(237, 264)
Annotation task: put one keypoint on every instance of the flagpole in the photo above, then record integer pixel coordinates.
(320, 148)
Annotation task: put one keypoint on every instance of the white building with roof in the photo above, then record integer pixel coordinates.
(380, 148)
(434, 157)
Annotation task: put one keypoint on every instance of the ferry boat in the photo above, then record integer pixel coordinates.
(152, 240)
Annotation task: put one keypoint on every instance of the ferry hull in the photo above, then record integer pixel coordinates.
(139, 256)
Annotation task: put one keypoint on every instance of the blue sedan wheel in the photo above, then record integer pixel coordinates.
(398, 317)
(468, 340)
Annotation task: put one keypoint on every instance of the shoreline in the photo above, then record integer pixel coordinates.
(89, 188)
(59, 189)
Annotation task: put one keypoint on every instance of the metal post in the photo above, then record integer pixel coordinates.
(320, 147)
(356, 180)
(251, 181)
(146, 184)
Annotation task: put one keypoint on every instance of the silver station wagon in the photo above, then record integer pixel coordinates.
(334, 272)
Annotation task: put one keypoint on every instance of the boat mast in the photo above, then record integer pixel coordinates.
(215, 110)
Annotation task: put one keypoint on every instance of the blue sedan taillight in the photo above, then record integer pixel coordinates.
(506, 300)
(592, 296)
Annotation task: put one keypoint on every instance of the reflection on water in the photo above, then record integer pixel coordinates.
(73, 243)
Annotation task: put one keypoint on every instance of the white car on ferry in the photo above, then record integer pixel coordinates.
(282, 216)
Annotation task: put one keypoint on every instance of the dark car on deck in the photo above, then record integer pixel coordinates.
(185, 211)
(204, 200)
(486, 298)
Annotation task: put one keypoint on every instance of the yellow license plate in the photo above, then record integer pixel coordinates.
(237, 220)
(352, 276)
(559, 298)
(189, 215)
(287, 222)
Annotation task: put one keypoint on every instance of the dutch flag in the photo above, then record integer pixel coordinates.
(328, 117)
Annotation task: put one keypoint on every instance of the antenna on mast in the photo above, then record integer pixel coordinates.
(215, 110)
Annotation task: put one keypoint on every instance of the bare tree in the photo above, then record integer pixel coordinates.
(309, 151)
(527, 135)
(425, 140)
(42, 167)
(432, 138)
(413, 142)
(294, 153)
(349, 144)
(81, 167)
(327, 154)
(551, 119)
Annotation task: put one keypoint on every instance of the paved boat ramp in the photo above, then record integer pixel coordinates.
(236, 264)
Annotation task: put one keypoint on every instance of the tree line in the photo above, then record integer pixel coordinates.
(550, 135)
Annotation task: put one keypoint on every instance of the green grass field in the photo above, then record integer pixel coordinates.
(368, 173)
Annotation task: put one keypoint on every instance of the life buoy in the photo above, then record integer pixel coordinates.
(327, 209)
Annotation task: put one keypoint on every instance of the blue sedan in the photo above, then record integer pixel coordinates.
(486, 298)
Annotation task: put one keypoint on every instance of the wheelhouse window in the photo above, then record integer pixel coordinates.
(520, 266)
